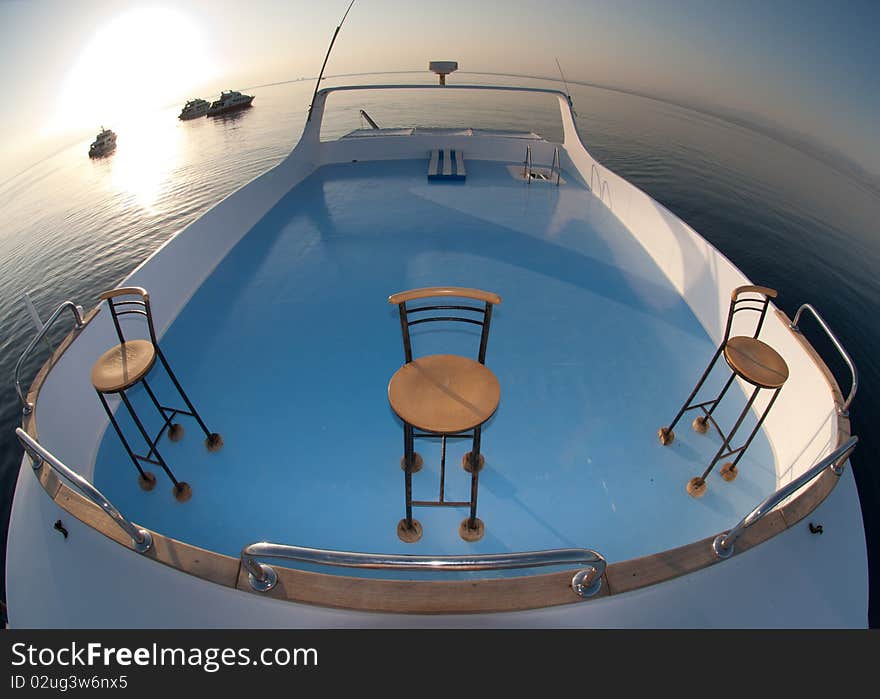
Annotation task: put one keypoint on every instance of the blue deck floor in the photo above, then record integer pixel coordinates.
(288, 348)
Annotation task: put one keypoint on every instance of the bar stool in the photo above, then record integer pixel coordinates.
(446, 396)
(750, 359)
(127, 364)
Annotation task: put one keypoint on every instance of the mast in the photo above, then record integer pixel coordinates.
(329, 49)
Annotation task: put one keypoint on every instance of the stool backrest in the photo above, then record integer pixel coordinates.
(129, 300)
(482, 315)
(739, 303)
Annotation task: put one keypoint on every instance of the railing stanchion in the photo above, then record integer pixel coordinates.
(527, 165)
(557, 164)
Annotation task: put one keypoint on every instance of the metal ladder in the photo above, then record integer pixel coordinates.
(555, 166)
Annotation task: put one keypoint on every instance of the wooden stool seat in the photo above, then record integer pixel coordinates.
(444, 393)
(756, 362)
(123, 366)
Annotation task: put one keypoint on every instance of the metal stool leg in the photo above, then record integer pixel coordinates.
(175, 430)
(212, 439)
(182, 491)
(475, 471)
(666, 434)
(697, 486)
(408, 450)
(409, 530)
(146, 479)
(442, 469)
(728, 470)
(472, 528)
(701, 422)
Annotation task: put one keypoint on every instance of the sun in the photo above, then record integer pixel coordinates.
(138, 61)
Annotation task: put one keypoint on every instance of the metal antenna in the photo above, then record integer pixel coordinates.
(567, 91)
(329, 49)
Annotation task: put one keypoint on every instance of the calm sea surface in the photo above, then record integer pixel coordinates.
(73, 227)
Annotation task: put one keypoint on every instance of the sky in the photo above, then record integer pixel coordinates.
(803, 68)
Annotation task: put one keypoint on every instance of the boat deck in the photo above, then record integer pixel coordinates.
(288, 347)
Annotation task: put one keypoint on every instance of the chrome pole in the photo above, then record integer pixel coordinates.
(724, 543)
(844, 409)
(80, 323)
(585, 583)
(141, 539)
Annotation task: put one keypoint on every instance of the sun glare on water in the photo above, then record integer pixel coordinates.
(148, 150)
(133, 76)
(141, 60)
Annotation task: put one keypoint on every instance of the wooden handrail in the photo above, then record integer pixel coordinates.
(749, 289)
(124, 291)
(433, 291)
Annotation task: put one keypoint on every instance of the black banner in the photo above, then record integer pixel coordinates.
(258, 661)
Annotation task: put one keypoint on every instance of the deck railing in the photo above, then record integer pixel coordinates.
(80, 323)
(843, 409)
(141, 539)
(585, 583)
(557, 165)
(724, 543)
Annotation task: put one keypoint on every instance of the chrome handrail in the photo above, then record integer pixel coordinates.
(843, 409)
(585, 583)
(603, 186)
(723, 544)
(80, 323)
(557, 164)
(141, 539)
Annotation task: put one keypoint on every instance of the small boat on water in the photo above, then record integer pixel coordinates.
(194, 108)
(229, 101)
(104, 144)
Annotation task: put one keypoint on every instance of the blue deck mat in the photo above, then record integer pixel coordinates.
(288, 348)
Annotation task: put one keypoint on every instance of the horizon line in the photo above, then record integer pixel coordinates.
(803, 143)
(838, 161)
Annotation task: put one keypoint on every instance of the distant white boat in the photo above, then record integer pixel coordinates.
(230, 101)
(194, 108)
(104, 143)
